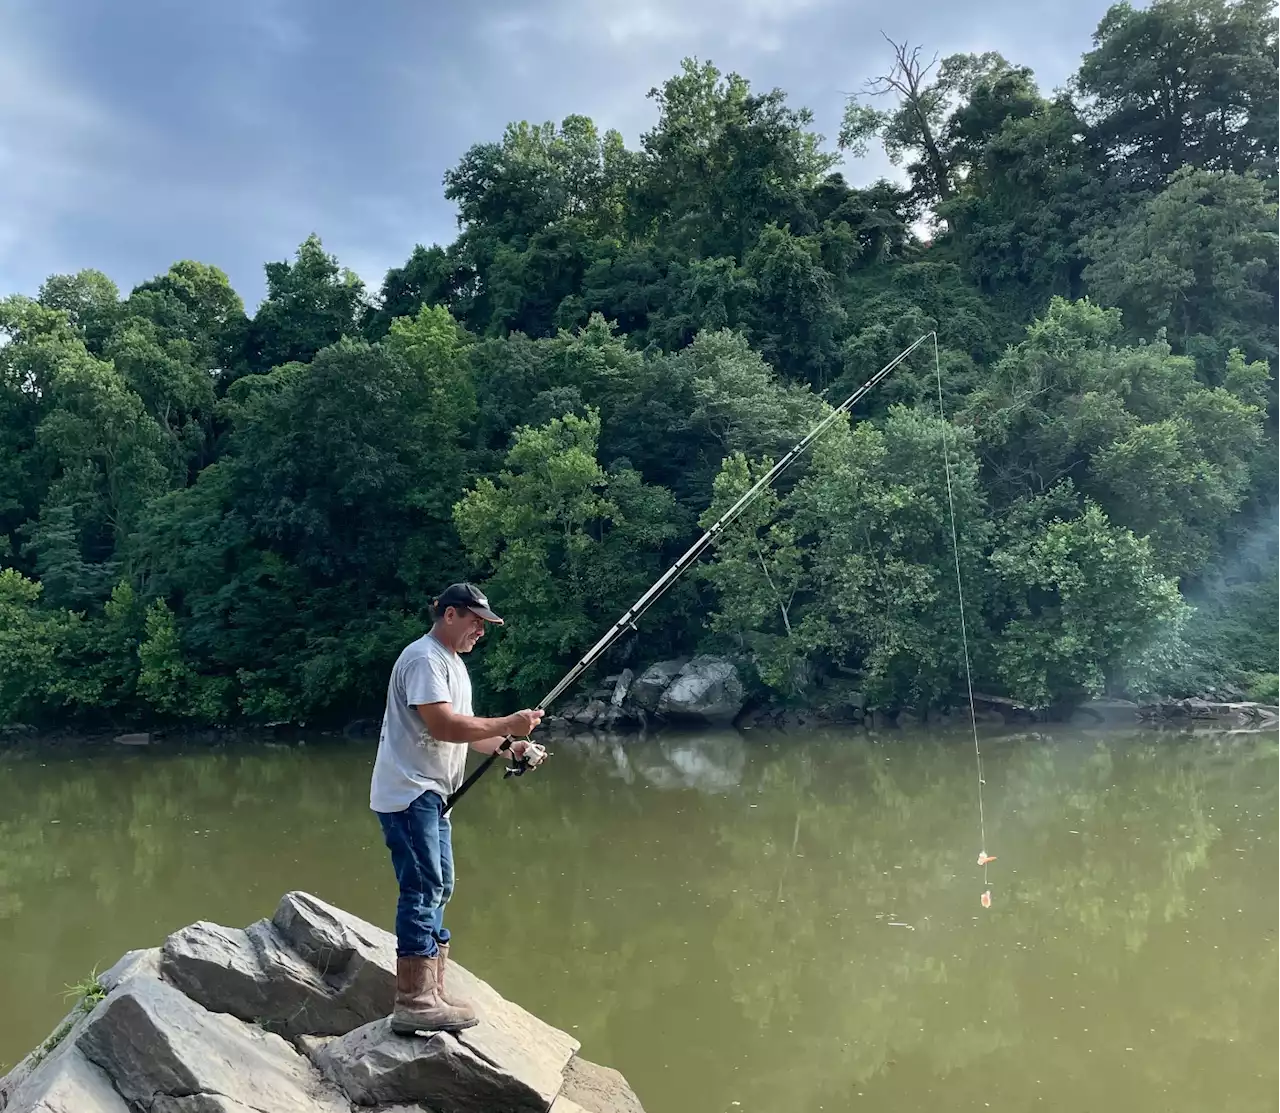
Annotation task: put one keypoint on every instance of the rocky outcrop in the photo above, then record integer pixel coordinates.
(707, 689)
(1242, 715)
(648, 687)
(288, 1016)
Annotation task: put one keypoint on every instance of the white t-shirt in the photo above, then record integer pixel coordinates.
(411, 762)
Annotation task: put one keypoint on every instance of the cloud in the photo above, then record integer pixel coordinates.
(135, 135)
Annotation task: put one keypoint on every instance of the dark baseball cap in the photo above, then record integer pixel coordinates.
(470, 597)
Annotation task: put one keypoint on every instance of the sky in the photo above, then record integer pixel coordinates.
(136, 134)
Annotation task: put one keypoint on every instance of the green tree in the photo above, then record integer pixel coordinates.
(1185, 83)
(1197, 261)
(569, 546)
(311, 303)
(1130, 427)
(722, 162)
(1085, 604)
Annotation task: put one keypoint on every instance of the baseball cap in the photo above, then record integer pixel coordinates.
(470, 597)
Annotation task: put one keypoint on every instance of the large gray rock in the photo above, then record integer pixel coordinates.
(333, 974)
(707, 688)
(648, 687)
(374, 1066)
(67, 1084)
(596, 1089)
(621, 687)
(199, 1103)
(43, 1076)
(154, 1042)
(511, 1060)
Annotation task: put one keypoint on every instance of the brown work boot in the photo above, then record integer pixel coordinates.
(418, 1004)
(442, 963)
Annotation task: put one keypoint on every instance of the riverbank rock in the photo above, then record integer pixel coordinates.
(1104, 712)
(198, 1026)
(1259, 715)
(648, 687)
(707, 689)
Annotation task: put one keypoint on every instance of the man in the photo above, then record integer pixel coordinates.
(422, 754)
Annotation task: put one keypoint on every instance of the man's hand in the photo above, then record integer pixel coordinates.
(522, 723)
(531, 752)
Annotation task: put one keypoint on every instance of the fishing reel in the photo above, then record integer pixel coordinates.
(517, 766)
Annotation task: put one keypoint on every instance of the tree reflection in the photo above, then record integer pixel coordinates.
(730, 918)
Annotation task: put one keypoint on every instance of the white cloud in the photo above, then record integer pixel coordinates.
(48, 133)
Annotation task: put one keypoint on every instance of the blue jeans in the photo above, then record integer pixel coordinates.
(421, 848)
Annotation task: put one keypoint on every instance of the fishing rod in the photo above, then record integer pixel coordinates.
(633, 613)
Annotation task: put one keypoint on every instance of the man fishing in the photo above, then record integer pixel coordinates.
(427, 728)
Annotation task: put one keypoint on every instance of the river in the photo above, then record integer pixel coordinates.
(739, 922)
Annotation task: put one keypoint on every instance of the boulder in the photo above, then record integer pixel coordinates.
(142, 738)
(707, 688)
(647, 689)
(621, 687)
(1104, 712)
(596, 1089)
(312, 969)
(511, 1060)
(155, 1042)
(317, 973)
(589, 714)
(374, 1066)
(69, 1084)
(356, 959)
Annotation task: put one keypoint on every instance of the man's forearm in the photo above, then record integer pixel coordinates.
(488, 745)
(466, 729)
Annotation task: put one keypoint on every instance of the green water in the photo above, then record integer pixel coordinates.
(717, 915)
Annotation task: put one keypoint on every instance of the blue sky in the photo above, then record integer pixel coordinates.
(136, 134)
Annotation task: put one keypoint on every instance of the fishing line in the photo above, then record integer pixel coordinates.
(983, 857)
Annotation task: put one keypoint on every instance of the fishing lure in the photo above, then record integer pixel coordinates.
(986, 899)
(984, 858)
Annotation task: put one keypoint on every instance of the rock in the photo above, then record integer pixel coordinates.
(597, 1089)
(908, 720)
(589, 714)
(155, 1042)
(621, 687)
(707, 688)
(647, 690)
(311, 970)
(140, 739)
(373, 1065)
(199, 1103)
(347, 950)
(71, 1084)
(1107, 712)
(1240, 714)
(256, 974)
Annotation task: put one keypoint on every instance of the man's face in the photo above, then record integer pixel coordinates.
(467, 628)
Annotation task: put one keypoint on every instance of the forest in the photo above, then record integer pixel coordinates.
(209, 516)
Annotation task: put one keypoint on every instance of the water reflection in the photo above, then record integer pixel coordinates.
(726, 918)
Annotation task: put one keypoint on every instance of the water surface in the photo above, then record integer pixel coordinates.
(739, 922)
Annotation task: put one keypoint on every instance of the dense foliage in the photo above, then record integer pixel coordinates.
(207, 515)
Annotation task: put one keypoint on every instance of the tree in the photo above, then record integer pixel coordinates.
(918, 124)
(567, 544)
(1198, 262)
(1086, 604)
(795, 320)
(1033, 194)
(1130, 427)
(723, 162)
(1185, 83)
(311, 303)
